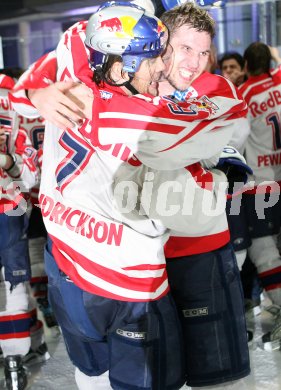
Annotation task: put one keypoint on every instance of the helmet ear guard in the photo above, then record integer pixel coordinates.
(124, 29)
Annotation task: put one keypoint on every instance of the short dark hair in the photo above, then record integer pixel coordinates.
(232, 55)
(258, 57)
(190, 15)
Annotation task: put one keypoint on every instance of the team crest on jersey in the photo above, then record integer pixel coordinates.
(204, 104)
(192, 107)
(105, 95)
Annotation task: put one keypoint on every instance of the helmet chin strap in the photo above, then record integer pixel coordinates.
(130, 87)
(127, 84)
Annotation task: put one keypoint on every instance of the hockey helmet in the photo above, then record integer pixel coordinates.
(123, 29)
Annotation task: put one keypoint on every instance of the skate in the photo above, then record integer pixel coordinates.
(272, 340)
(15, 375)
(40, 355)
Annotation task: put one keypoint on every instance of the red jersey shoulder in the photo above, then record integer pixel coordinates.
(214, 85)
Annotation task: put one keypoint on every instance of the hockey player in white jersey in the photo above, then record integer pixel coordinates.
(262, 93)
(194, 167)
(198, 257)
(18, 173)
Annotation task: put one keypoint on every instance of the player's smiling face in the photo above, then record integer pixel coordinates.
(188, 56)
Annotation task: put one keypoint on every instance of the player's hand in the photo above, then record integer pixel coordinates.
(56, 105)
(83, 97)
(3, 136)
(235, 167)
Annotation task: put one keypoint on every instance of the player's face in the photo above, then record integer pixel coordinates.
(147, 78)
(229, 67)
(187, 57)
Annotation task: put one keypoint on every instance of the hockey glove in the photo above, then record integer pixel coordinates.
(234, 166)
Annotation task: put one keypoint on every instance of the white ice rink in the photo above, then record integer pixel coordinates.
(58, 373)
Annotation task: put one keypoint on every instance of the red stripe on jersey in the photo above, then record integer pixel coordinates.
(10, 336)
(139, 123)
(272, 287)
(270, 272)
(18, 100)
(148, 284)
(145, 267)
(187, 246)
(256, 87)
(15, 317)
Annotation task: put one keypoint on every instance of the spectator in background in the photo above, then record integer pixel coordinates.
(231, 65)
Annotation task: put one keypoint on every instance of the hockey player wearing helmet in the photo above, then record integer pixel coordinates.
(107, 281)
(116, 80)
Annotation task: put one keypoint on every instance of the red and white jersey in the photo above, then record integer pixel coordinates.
(34, 76)
(35, 128)
(34, 125)
(263, 146)
(104, 249)
(19, 144)
(107, 247)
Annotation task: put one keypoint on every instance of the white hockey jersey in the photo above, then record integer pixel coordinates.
(263, 146)
(110, 243)
(14, 189)
(35, 128)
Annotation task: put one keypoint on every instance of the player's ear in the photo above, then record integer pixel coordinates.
(117, 74)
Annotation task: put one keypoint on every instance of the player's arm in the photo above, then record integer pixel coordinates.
(176, 199)
(166, 135)
(36, 93)
(57, 104)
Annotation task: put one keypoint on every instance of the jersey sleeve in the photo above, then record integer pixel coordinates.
(190, 196)
(71, 56)
(39, 75)
(164, 134)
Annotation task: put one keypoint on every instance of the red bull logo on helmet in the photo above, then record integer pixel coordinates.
(123, 26)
